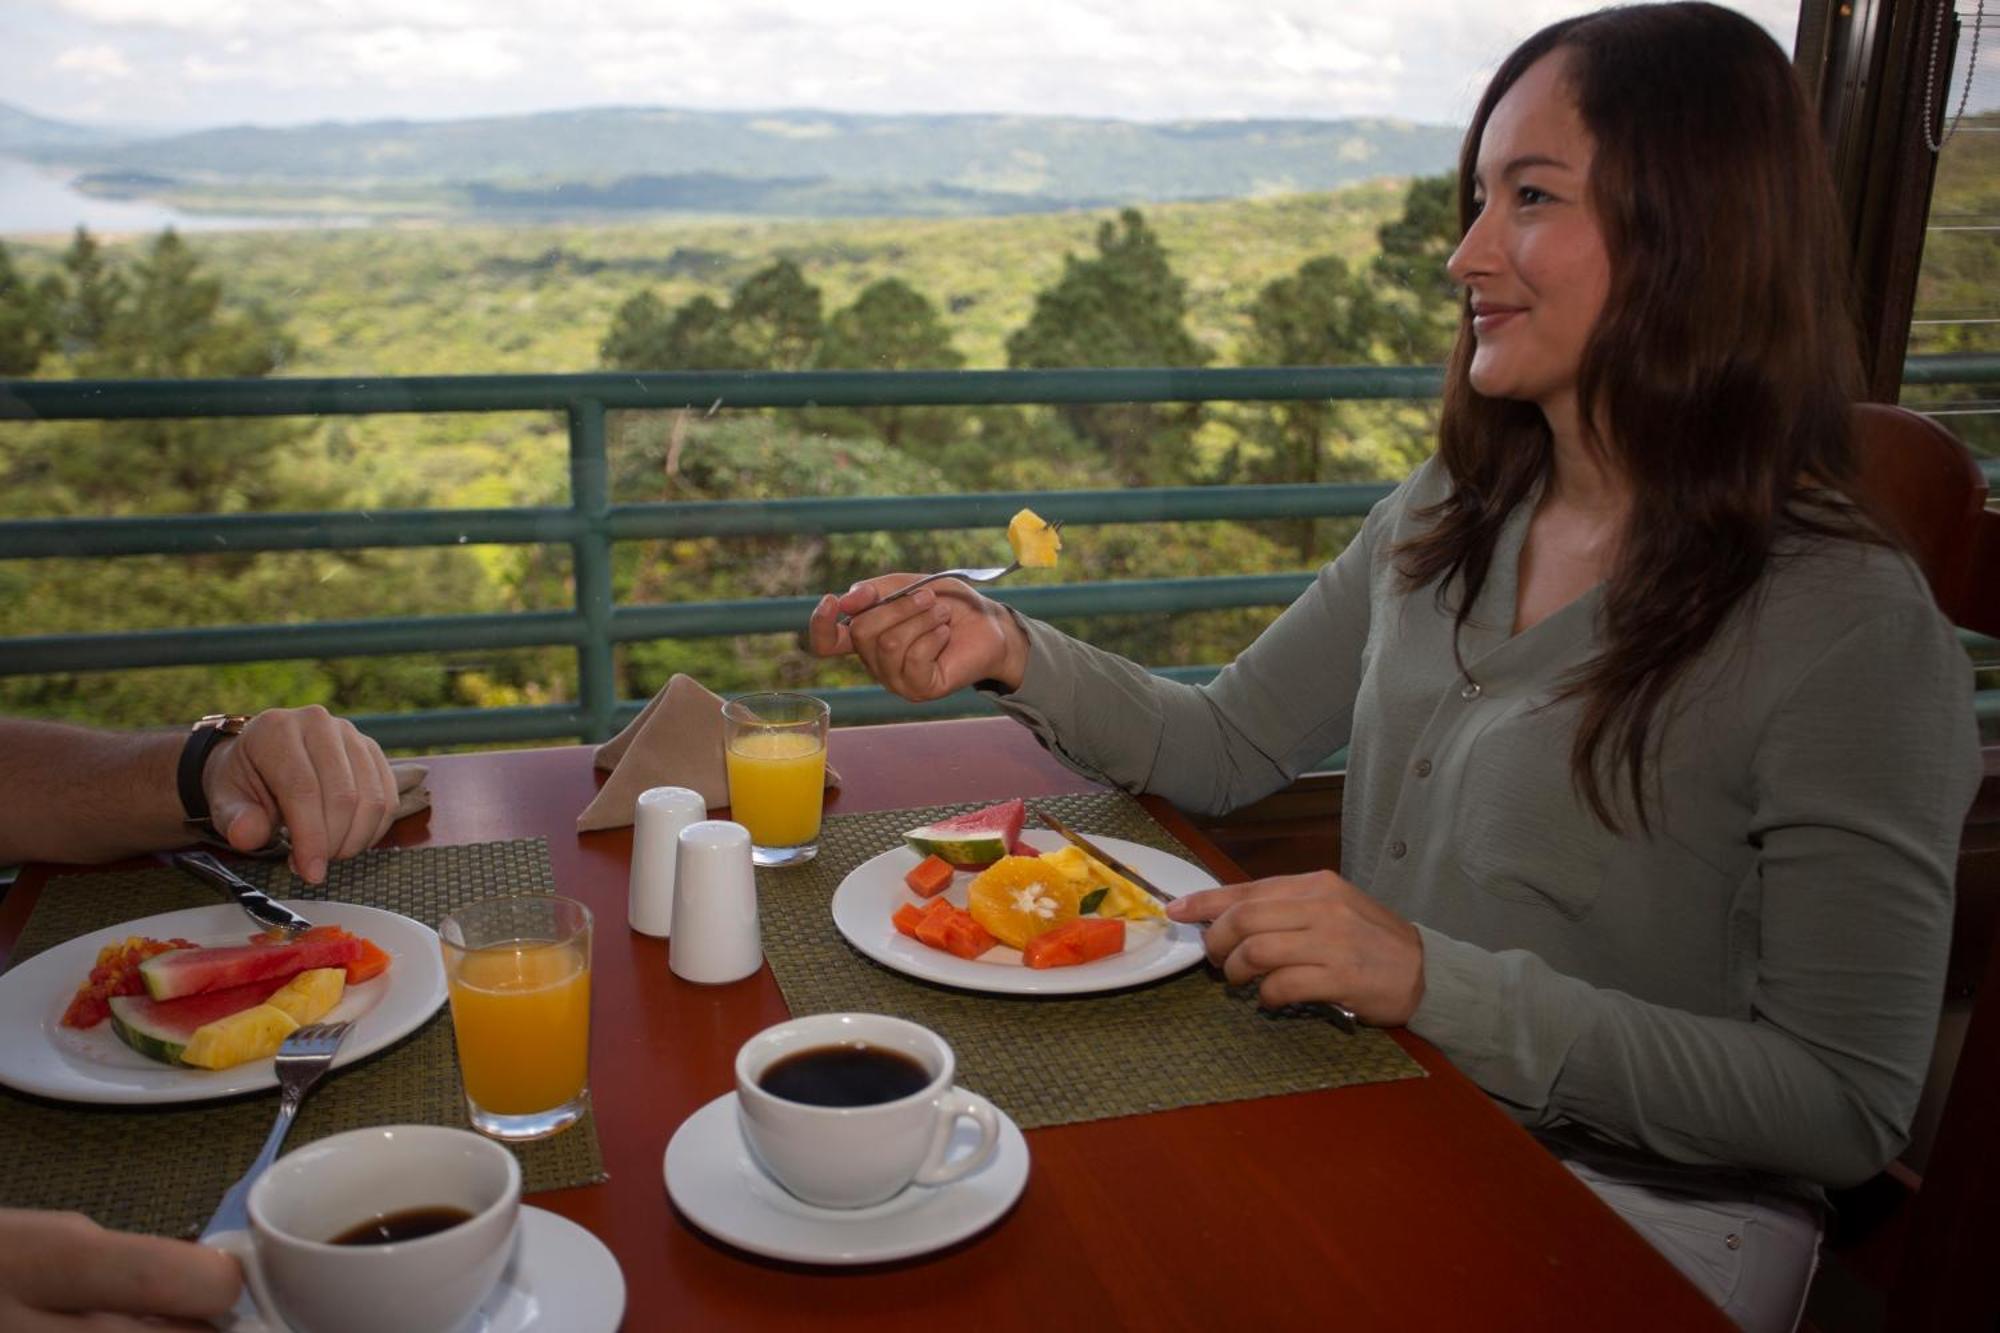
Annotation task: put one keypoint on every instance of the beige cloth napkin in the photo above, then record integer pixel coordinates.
(411, 793)
(676, 741)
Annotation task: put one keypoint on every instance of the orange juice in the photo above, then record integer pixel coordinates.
(521, 1012)
(776, 782)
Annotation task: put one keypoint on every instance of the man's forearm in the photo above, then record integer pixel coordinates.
(73, 794)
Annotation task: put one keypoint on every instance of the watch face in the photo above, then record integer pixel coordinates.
(229, 724)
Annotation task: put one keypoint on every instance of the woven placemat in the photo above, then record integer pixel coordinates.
(1181, 1041)
(163, 1169)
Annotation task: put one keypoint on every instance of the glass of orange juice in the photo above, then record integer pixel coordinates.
(775, 746)
(518, 970)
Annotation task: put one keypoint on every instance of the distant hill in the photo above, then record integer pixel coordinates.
(23, 132)
(790, 162)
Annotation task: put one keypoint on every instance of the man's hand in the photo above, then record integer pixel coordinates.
(63, 1271)
(310, 771)
(1311, 938)
(941, 638)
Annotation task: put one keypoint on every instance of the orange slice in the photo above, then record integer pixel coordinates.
(1017, 898)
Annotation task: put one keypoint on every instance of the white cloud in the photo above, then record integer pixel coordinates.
(95, 62)
(280, 61)
(401, 55)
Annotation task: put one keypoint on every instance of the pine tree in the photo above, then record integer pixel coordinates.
(27, 330)
(697, 336)
(173, 324)
(891, 326)
(92, 294)
(1415, 246)
(775, 317)
(1322, 315)
(1125, 307)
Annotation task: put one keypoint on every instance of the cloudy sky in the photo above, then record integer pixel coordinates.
(159, 64)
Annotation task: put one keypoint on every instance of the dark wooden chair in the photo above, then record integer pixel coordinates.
(1929, 1244)
(1927, 488)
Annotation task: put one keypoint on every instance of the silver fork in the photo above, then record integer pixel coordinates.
(987, 574)
(304, 1056)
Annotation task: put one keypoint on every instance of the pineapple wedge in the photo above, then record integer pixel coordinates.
(312, 994)
(1122, 897)
(1035, 543)
(252, 1034)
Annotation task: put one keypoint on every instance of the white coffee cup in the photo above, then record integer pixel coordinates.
(300, 1278)
(854, 1156)
(715, 939)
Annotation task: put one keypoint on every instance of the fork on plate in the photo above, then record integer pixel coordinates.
(304, 1056)
(986, 574)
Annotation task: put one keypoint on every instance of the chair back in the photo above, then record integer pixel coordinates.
(1919, 481)
(1925, 486)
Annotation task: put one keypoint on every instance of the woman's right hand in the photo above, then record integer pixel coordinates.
(941, 638)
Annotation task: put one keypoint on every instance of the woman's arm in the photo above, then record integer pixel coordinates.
(1285, 703)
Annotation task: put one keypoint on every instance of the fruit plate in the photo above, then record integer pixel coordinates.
(39, 1055)
(874, 889)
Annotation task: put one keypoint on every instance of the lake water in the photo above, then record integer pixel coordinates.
(37, 202)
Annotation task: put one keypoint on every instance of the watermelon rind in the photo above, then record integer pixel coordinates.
(161, 1029)
(973, 840)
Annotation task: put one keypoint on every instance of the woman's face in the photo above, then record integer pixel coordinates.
(1533, 261)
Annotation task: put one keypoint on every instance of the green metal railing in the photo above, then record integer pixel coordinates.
(590, 524)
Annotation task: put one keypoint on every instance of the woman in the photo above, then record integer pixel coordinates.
(1659, 754)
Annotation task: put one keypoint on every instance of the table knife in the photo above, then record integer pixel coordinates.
(1338, 1014)
(260, 906)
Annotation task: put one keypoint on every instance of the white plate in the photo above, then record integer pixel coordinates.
(561, 1279)
(871, 893)
(719, 1187)
(39, 1055)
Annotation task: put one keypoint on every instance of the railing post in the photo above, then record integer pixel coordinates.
(590, 497)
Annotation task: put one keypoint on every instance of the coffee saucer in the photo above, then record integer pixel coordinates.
(560, 1278)
(719, 1187)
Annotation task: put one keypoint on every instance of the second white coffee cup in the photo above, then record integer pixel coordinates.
(301, 1278)
(857, 1155)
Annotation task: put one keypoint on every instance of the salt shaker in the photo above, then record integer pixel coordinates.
(661, 814)
(714, 937)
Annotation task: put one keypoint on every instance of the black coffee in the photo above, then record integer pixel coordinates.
(851, 1075)
(409, 1224)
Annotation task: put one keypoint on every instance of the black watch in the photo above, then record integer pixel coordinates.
(202, 739)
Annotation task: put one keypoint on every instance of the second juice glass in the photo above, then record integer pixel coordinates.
(775, 746)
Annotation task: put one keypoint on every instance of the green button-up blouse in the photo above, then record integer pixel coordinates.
(1755, 983)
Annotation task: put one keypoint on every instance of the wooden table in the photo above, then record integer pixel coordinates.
(1407, 1205)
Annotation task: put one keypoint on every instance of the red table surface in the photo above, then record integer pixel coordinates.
(1406, 1205)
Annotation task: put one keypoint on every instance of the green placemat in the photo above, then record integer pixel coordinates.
(163, 1169)
(1181, 1041)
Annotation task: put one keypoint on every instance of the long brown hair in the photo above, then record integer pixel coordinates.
(1721, 368)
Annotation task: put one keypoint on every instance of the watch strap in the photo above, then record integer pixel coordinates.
(201, 741)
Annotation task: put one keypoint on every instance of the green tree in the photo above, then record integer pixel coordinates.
(775, 316)
(1322, 315)
(172, 323)
(891, 326)
(27, 332)
(1125, 307)
(1415, 246)
(696, 336)
(90, 296)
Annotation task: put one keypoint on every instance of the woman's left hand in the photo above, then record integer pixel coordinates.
(1313, 938)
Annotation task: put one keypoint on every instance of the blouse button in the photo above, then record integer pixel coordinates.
(1471, 690)
(1397, 850)
(1423, 768)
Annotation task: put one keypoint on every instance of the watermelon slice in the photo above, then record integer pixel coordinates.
(973, 840)
(160, 1029)
(180, 972)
